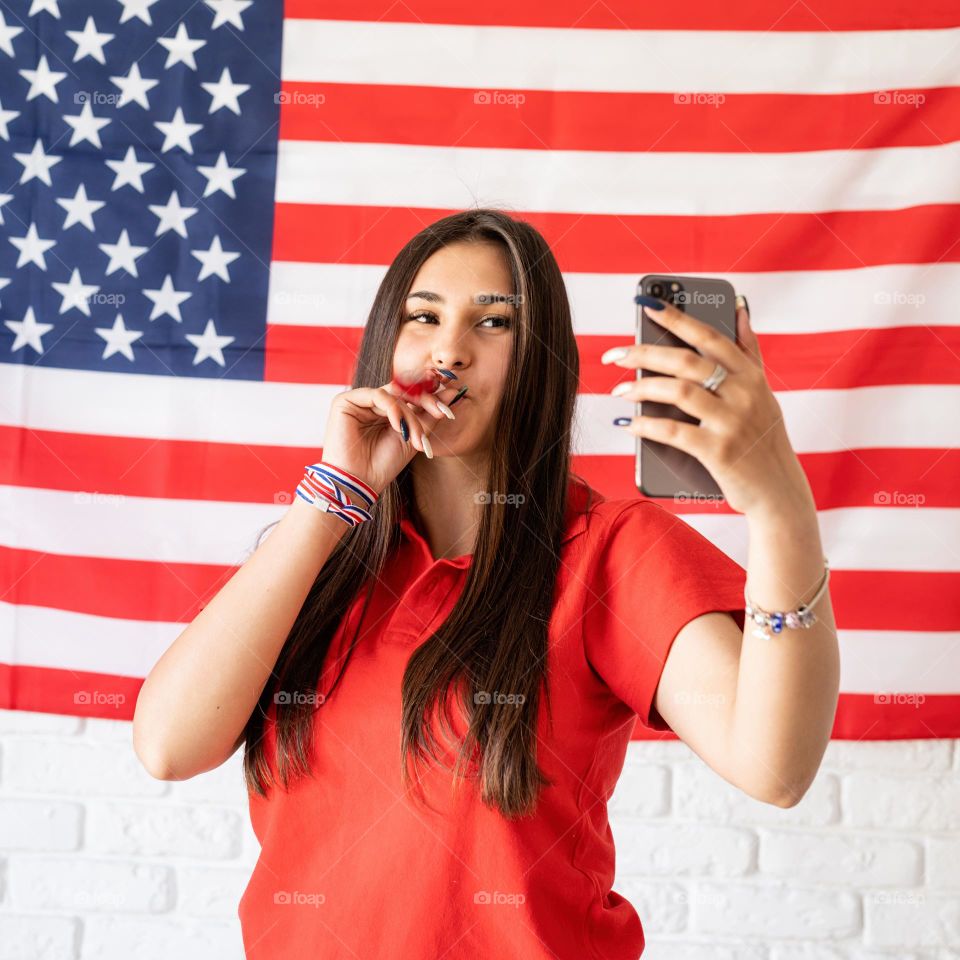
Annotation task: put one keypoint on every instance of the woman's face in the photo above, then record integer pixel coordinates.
(447, 324)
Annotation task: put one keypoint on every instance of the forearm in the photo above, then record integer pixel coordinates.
(787, 686)
(198, 697)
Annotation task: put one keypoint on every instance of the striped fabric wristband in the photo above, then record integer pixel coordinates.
(327, 487)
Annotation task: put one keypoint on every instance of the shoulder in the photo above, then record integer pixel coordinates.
(625, 517)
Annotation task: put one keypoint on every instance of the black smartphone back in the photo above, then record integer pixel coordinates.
(663, 470)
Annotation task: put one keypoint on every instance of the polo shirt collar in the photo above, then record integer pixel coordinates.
(576, 523)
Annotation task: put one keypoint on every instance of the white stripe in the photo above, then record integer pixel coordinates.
(605, 182)
(789, 302)
(885, 661)
(293, 414)
(66, 640)
(134, 528)
(225, 533)
(818, 421)
(526, 58)
(859, 538)
(899, 663)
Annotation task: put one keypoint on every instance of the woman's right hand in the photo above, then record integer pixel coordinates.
(363, 433)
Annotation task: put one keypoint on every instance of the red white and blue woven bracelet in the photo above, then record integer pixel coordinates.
(324, 485)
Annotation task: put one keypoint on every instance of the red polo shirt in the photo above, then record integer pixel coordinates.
(349, 868)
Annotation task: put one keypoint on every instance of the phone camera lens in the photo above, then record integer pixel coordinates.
(656, 289)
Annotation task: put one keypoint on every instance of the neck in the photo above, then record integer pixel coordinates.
(445, 496)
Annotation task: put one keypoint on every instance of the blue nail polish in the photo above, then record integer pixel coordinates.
(621, 421)
(459, 395)
(449, 374)
(404, 430)
(650, 302)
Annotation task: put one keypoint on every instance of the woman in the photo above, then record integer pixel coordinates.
(436, 674)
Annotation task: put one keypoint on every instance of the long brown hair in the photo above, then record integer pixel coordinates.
(495, 638)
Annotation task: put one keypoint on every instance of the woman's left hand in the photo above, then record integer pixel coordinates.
(741, 438)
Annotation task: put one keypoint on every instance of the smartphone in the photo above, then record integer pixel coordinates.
(663, 470)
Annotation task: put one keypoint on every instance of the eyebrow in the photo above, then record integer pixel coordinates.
(489, 298)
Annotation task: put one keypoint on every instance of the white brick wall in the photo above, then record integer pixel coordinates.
(98, 860)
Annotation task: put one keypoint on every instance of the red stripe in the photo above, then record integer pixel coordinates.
(108, 587)
(630, 15)
(68, 692)
(862, 599)
(860, 717)
(831, 360)
(250, 473)
(628, 122)
(177, 591)
(872, 477)
(72, 693)
(620, 243)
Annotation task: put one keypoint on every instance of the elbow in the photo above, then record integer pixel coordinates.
(153, 761)
(788, 794)
(154, 766)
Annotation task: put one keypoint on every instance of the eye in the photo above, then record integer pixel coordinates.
(426, 314)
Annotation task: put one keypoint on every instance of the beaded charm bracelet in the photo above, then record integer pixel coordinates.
(323, 486)
(803, 616)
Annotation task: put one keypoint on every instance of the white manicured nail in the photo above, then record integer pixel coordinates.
(446, 411)
(614, 354)
(621, 388)
(427, 449)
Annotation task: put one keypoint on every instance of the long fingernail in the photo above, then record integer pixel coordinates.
(652, 302)
(460, 393)
(449, 374)
(446, 411)
(404, 430)
(614, 354)
(621, 388)
(427, 449)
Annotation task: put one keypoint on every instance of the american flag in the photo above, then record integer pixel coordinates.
(197, 208)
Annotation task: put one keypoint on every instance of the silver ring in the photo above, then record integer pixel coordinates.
(715, 379)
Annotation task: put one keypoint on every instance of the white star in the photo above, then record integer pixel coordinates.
(221, 176)
(227, 11)
(167, 300)
(5, 117)
(209, 345)
(215, 260)
(5, 198)
(172, 216)
(39, 6)
(118, 338)
(6, 35)
(177, 132)
(43, 81)
(28, 331)
(86, 126)
(123, 255)
(37, 164)
(225, 92)
(4, 282)
(134, 87)
(79, 209)
(180, 49)
(76, 293)
(137, 8)
(89, 42)
(32, 247)
(129, 170)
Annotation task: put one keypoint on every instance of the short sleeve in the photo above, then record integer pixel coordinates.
(653, 573)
